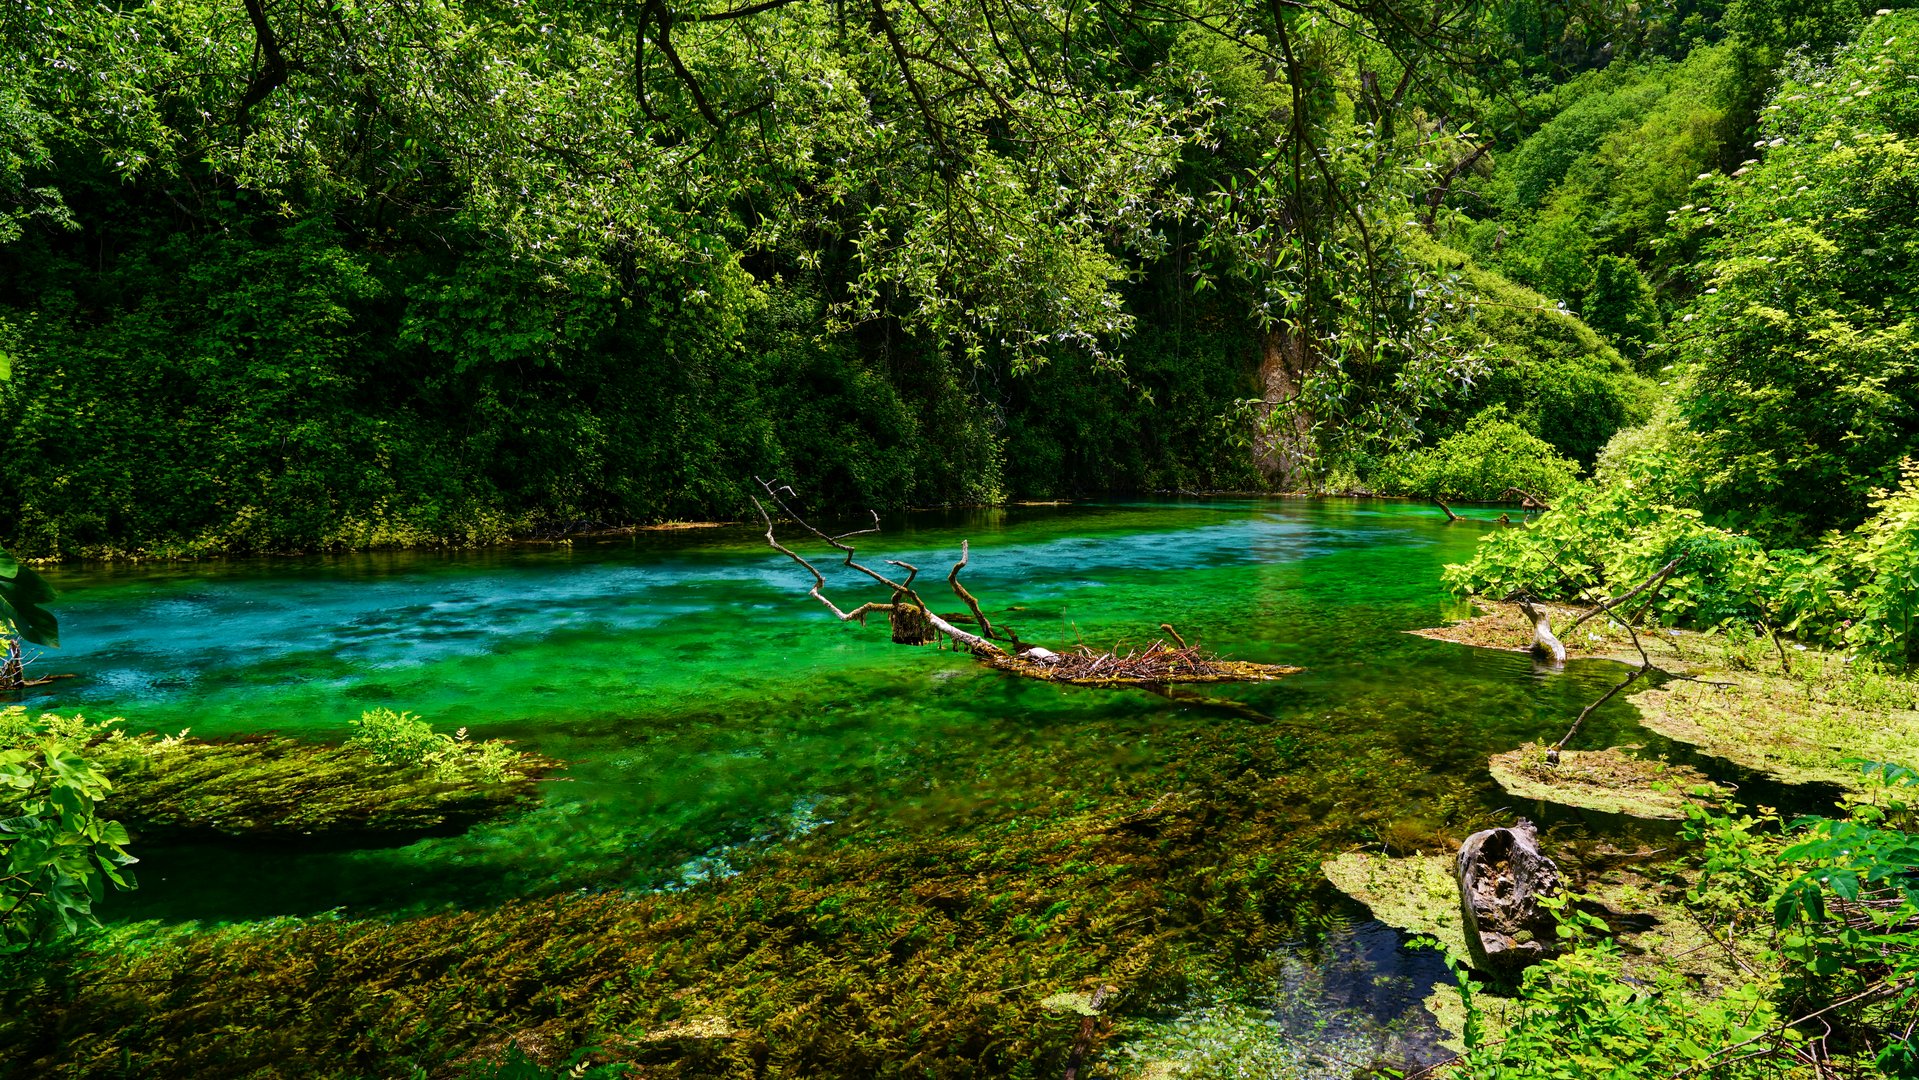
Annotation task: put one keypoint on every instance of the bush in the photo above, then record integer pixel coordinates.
(1802, 378)
(1555, 377)
(1490, 456)
(1858, 590)
(403, 739)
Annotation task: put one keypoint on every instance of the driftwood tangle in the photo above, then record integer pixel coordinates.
(13, 669)
(1502, 875)
(914, 623)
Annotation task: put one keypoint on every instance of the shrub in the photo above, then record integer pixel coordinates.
(1490, 456)
(56, 850)
(403, 739)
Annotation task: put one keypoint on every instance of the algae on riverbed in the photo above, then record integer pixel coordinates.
(276, 786)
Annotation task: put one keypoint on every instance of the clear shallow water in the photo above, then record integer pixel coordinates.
(707, 707)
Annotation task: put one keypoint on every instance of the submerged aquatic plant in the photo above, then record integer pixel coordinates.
(267, 785)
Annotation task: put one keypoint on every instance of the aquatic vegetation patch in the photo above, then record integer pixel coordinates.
(862, 949)
(1611, 780)
(1797, 730)
(1414, 893)
(273, 785)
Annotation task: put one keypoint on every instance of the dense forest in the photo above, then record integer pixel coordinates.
(299, 276)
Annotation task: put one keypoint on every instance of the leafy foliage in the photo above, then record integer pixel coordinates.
(403, 739)
(1491, 456)
(57, 854)
(21, 593)
(1802, 385)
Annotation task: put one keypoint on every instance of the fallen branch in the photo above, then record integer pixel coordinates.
(1154, 667)
(973, 641)
(1527, 500)
(1606, 606)
(1441, 503)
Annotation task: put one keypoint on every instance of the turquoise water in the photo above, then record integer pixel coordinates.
(707, 708)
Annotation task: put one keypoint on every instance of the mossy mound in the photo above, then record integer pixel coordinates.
(1800, 730)
(273, 786)
(1503, 626)
(1610, 780)
(397, 777)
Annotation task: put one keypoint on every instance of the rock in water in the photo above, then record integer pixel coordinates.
(1502, 874)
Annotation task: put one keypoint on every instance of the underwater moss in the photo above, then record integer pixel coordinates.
(267, 785)
(1610, 780)
(859, 950)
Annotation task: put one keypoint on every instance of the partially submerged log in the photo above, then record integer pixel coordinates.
(1545, 645)
(914, 623)
(1502, 875)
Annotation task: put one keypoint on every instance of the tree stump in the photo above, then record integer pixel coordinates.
(1502, 874)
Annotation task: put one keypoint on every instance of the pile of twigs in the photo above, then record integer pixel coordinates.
(1157, 664)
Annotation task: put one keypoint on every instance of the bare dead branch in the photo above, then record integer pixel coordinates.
(1608, 605)
(1527, 500)
(899, 588)
(959, 590)
(1441, 503)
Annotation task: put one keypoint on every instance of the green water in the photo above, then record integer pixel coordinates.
(705, 706)
(710, 713)
(707, 709)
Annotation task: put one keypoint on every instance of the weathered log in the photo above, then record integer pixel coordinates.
(1545, 645)
(1502, 875)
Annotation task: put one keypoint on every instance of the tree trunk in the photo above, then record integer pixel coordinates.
(1545, 645)
(1502, 874)
(1283, 445)
(13, 673)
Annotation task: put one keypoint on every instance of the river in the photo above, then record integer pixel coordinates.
(708, 710)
